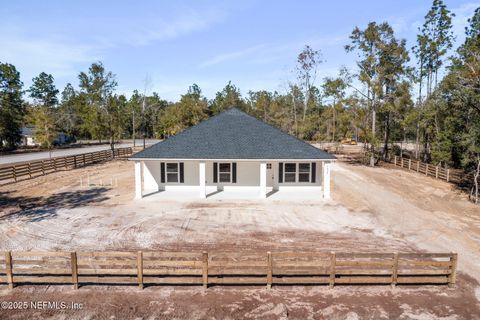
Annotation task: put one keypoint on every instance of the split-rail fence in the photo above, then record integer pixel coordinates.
(430, 170)
(32, 169)
(218, 268)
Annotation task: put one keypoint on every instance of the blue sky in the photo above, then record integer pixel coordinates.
(252, 43)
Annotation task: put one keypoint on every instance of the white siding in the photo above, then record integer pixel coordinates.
(248, 175)
(151, 176)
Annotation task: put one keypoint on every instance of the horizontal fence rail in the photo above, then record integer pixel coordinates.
(428, 169)
(218, 268)
(28, 170)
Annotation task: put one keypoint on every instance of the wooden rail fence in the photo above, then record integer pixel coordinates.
(428, 169)
(214, 268)
(28, 170)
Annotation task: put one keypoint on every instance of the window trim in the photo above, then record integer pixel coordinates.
(309, 172)
(230, 172)
(285, 172)
(297, 172)
(177, 172)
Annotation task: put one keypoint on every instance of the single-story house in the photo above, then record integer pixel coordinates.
(232, 151)
(28, 137)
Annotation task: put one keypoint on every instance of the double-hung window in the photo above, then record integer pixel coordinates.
(304, 172)
(225, 172)
(172, 172)
(290, 172)
(297, 172)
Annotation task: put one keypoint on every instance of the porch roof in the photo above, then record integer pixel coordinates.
(233, 134)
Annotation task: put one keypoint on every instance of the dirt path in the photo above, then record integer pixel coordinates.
(426, 212)
(372, 210)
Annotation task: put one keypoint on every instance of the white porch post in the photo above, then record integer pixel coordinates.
(263, 180)
(138, 180)
(201, 179)
(326, 179)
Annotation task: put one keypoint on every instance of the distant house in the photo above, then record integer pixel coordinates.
(28, 137)
(232, 151)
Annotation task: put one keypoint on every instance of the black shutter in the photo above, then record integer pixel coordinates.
(181, 172)
(314, 171)
(215, 169)
(234, 172)
(280, 172)
(162, 172)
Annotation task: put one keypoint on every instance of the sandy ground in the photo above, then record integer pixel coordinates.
(373, 209)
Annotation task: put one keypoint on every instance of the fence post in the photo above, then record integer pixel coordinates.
(140, 269)
(205, 269)
(452, 277)
(30, 170)
(269, 270)
(395, 269)
(75, 162)
(409, 164)
(9, 267)
(395, 161)
(418, 166)
(426, 169)
(401, 162)
(14, 169)
(436, 172)
(43, 167)
(332, 269)
(448, 175)
(73, 262)
(55, 164)
(84, 159)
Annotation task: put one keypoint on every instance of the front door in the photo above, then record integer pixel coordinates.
(270, 175)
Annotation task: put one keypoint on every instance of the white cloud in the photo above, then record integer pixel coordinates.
(34, 55)
(267, 53)
(226, 57)
(462, 14)
(65, 47)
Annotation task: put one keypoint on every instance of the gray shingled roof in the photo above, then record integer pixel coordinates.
(232, 134)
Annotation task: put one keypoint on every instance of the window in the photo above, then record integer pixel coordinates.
(269, 166)
(225, 172)
(304, 172)
(172, 172)
(290, 172)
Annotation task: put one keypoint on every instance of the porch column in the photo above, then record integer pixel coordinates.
(138, 180)
(201, 179)
(263, 180)
(326, 179)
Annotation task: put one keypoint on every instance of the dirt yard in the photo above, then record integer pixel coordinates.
(373, 209)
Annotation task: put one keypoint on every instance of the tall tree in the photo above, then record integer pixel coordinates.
(69, 118)
(433, 42)
(229, 97)
(12, 109)
(190, 110)
(334, 88)
(382, 64)
(97, 87)
(307, 63)
(43, 115)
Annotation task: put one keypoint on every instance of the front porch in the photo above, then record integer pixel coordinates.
(232, 179)
(249, 193)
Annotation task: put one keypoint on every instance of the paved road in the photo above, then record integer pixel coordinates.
(31, 156)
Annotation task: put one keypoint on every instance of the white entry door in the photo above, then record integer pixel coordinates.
(270, 175)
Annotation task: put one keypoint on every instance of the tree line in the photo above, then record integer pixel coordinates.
(423, 94)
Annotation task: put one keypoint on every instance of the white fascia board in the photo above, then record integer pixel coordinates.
(228, 160)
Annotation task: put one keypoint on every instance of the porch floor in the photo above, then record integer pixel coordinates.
(247, 194)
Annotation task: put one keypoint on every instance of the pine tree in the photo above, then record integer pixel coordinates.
(12, 109)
